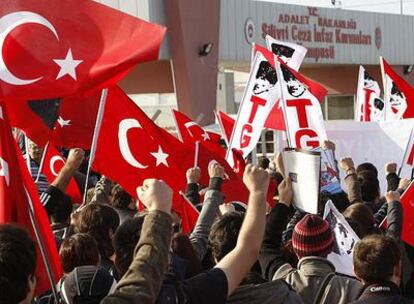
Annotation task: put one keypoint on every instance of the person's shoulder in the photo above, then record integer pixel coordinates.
(207, 287)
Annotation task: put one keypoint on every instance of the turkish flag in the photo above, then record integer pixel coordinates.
(52, 164)
(407, 202)
(191, 132)
(19, 198)
(131, 148)
(67, 122)
(189, 216)
(58, 48)
(398, 93)
(226, 124)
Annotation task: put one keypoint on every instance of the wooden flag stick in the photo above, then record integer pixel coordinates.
(406, 152)
(96, 130)
(42, 248)
(197, 150)
(282, 99)
(42, 160)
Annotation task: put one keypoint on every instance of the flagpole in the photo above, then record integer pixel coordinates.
(197, 149)
(42, 248)
(42, 160)
(384, 87)
(406, 152)
(26, 147)
(96, 130)
(282, 97)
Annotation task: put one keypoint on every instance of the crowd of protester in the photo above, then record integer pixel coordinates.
(113, 253)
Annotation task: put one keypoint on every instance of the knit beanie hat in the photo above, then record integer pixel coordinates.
(312, 236)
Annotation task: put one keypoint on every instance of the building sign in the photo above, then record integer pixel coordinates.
(331, 35)
(315, 28)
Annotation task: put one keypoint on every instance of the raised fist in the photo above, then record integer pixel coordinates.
(193, 175)
(75, 158)
(155, 195)
(346, 163)
(256, 179)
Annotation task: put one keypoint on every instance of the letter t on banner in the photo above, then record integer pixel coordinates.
(305, 127)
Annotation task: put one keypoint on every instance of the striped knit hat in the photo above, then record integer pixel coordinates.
(312, 236)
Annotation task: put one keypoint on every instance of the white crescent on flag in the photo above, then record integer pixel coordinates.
(7, 24)
(124, 127)
(53, 160)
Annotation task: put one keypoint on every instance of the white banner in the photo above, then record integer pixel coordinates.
(291, 53)
(260, 96)
(369, 106)
(303, 114)
(345, 240)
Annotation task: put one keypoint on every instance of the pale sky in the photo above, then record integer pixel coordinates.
(383, 6)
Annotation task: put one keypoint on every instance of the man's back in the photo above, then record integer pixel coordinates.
(315, 278)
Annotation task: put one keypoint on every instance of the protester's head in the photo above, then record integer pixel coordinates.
(78, 250)
(263, 162)
(35, 152)
(362, 216)
(17, 265)
(370, 189)
(367, 167)
(312, 236)
(340, 200)
(87, 285)
(61, 213)
(377, 259)
(181, 246)
(99, 221)
(224, 233)
(121, 199)
(125, 239)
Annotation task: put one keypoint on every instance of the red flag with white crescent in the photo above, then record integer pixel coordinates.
(59, 48)
(52, 164)
(19, 198)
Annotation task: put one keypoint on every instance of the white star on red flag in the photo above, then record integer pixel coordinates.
(161, 157)
(68, 65)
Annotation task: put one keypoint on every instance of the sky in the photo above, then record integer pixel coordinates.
(382, 6)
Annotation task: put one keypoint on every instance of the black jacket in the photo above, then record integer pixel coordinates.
(381, 293)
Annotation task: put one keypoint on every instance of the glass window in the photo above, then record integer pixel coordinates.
(339, 107)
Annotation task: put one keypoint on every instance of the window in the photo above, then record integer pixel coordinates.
(339, 107)
(266, 144)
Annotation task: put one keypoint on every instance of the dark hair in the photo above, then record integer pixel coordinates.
(379, 104)
(78, 250)
(370, 188)
(263, 162)
(266, 71)
(181, 246)
(224, 233)
(362, 216)
(98, 220)
(367, 167)
(126, 237)
(367, 76)
(395, 90)
(120, 198)
(282, 50)
(61, 213)
(17, 263)
(375, 257)
(287, 74)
